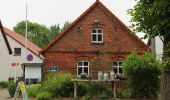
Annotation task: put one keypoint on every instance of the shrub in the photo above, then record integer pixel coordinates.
(124, 94)
(11, 88)
(33, 90)
(143, 74)
(98, 90)
(3, 84)
(44, 95)
(61, 85)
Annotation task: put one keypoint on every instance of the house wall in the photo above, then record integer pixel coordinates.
(4, 59)
(158, 47)
(75, 45)
(20, 59)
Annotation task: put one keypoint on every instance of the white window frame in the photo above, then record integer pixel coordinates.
(117, 67)
(96, 35)
(82, 67)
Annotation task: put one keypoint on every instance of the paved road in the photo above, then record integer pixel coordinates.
(4, 95)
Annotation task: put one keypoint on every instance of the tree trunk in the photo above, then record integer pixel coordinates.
(165, 86)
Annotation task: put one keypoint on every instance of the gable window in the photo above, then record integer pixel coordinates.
(82, 67)
(17, 51)
(97, 35)
(118, 67)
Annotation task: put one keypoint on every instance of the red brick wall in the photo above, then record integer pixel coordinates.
(76, 45)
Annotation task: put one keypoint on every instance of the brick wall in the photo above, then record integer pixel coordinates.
(75, 45)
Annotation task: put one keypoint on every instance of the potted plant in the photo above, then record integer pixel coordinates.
(83, 75)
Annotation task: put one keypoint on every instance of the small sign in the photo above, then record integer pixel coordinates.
(53, 69)
(30, 57)
(14, 64)
(21, 87)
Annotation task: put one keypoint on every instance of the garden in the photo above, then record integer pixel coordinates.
(143, 82)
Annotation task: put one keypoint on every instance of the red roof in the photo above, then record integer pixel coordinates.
(82, 15)
(5, 38)
(20, 39)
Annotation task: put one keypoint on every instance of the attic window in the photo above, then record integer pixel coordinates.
(17, 51)
(97, 35)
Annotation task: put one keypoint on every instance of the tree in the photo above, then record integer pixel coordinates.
(66, 24)
(54, 31)
(152, 18)
(38, 34)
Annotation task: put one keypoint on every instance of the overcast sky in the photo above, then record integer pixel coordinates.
(50, 12)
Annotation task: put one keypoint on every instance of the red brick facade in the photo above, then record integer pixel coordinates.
(75, 44)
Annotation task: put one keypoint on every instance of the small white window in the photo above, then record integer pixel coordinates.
(82, 67)
(118, 67)
(97, 35)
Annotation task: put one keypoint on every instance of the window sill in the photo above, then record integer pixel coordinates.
(16, 55)
(97, 43)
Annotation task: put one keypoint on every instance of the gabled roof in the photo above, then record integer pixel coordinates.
(84, 14)
(21, 40)
(5, 38)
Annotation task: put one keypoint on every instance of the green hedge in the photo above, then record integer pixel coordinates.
(3, 84)
(61, 85)
(98, 91)
(143, 74)
(11, 88)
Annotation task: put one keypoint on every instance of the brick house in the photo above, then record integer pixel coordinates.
(96, 41)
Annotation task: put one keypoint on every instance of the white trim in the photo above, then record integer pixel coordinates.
(96, 35)
(117, 67)
(83, 67)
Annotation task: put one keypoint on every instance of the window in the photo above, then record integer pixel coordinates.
(97, 35)
(118, 67)
(82, 67)
(17, 51)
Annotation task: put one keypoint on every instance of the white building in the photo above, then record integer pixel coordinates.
(5, 51)
(157, 47)
(25, 63)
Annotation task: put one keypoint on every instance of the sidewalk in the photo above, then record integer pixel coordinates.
(4, 95)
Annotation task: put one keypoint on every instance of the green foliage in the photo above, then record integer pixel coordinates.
(38, 34)
(124, 94)
(61, 85)
(3, 84)
(11, 88)
(44, 95)
(54, 31)
(166, 64)
(143, 74)
(98, 90)
(152, 18)
(66, 24)
(33, 90)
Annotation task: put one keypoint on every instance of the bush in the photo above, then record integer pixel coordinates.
(98, 90)
(11, 88)
(3, 84)
(44, 95)
(124, 94)
(33, 90)
(61, 85)
(143, 75)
